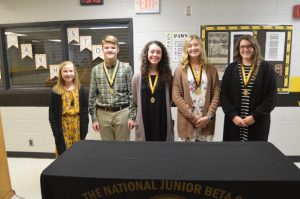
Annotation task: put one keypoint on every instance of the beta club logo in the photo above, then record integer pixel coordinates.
(167, 197)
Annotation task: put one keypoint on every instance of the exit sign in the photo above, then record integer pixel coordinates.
(91, 2)
(146, 6)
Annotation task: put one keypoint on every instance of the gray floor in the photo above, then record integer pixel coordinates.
(25, 176)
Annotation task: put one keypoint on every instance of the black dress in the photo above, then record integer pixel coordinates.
(154, 114)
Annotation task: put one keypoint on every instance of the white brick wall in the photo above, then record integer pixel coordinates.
(24, 123)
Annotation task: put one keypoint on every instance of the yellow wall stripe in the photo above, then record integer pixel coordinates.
(294, 84)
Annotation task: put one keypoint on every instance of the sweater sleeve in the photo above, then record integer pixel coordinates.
(53, 119)
(93, 95)
(269, 94)
(84, 113)
(178, 96)
(132, 108)
(215, 89)
(226, 93)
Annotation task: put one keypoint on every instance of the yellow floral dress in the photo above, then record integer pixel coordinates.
(70, 117)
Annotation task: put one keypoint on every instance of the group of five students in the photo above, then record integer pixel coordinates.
(119, 101)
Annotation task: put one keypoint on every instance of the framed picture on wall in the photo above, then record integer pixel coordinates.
(275, 43)
(217, 50)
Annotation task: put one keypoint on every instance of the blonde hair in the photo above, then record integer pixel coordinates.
(58, 88)
(110, 39)
(185, 59)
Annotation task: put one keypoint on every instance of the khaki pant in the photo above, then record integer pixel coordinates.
(114, 125)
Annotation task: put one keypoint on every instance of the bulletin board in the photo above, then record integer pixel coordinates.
(275, 43)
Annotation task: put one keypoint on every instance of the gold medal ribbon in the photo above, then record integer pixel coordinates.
(198, 77)
(111, 80)
(246, 78)
(152, 86)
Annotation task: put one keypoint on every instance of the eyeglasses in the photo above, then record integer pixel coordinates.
(248, 47)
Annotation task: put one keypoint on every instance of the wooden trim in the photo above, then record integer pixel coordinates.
(6, 191)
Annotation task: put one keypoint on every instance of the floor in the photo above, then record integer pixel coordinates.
(25, 176)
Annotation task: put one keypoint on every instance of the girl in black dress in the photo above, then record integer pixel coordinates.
(152, 95)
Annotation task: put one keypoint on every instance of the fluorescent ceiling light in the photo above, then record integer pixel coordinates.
(20, 35)
(108, 27)
(54, 40)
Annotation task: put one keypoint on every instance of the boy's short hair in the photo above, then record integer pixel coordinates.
(110, 39)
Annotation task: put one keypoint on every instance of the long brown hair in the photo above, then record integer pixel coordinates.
(185, 59)
(58, 88)
(256, 56)
(163, 66)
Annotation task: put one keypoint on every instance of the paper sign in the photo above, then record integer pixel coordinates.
(26, 50)
(54, 69)
(73, 34)
(85, 43)
(40, 60)
(97, 51)
(12, 40)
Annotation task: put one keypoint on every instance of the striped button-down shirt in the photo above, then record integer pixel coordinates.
(99, 89)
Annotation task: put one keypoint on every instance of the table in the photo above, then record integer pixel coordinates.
(166, 170)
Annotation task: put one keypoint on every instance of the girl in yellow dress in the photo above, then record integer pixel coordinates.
(68, 109)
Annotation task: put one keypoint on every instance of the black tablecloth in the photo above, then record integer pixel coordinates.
(225, 170)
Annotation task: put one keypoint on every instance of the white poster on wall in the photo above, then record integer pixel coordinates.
(12, 40)
(73, 34)
(97, 52)
(85, 43)
(54, 69)
(275, 46)
(26, 50)
(174, 41)
(40, 60)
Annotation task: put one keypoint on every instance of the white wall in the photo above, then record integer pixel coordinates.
(24, 123)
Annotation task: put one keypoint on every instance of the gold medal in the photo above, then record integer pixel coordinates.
(246, 79)
(111, 91)
(245, 92)
(111, 80)
(152, 86)
(152, 100)
(198, 91)
(197, 78)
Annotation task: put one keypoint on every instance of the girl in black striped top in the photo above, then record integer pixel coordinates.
(248, 94)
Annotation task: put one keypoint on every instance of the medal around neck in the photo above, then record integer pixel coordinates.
(246, 79)
(152, 100)
(197, 78)
(111, 91)
(198, 91)
(152, 86)
(111, 80)
(246, 92)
